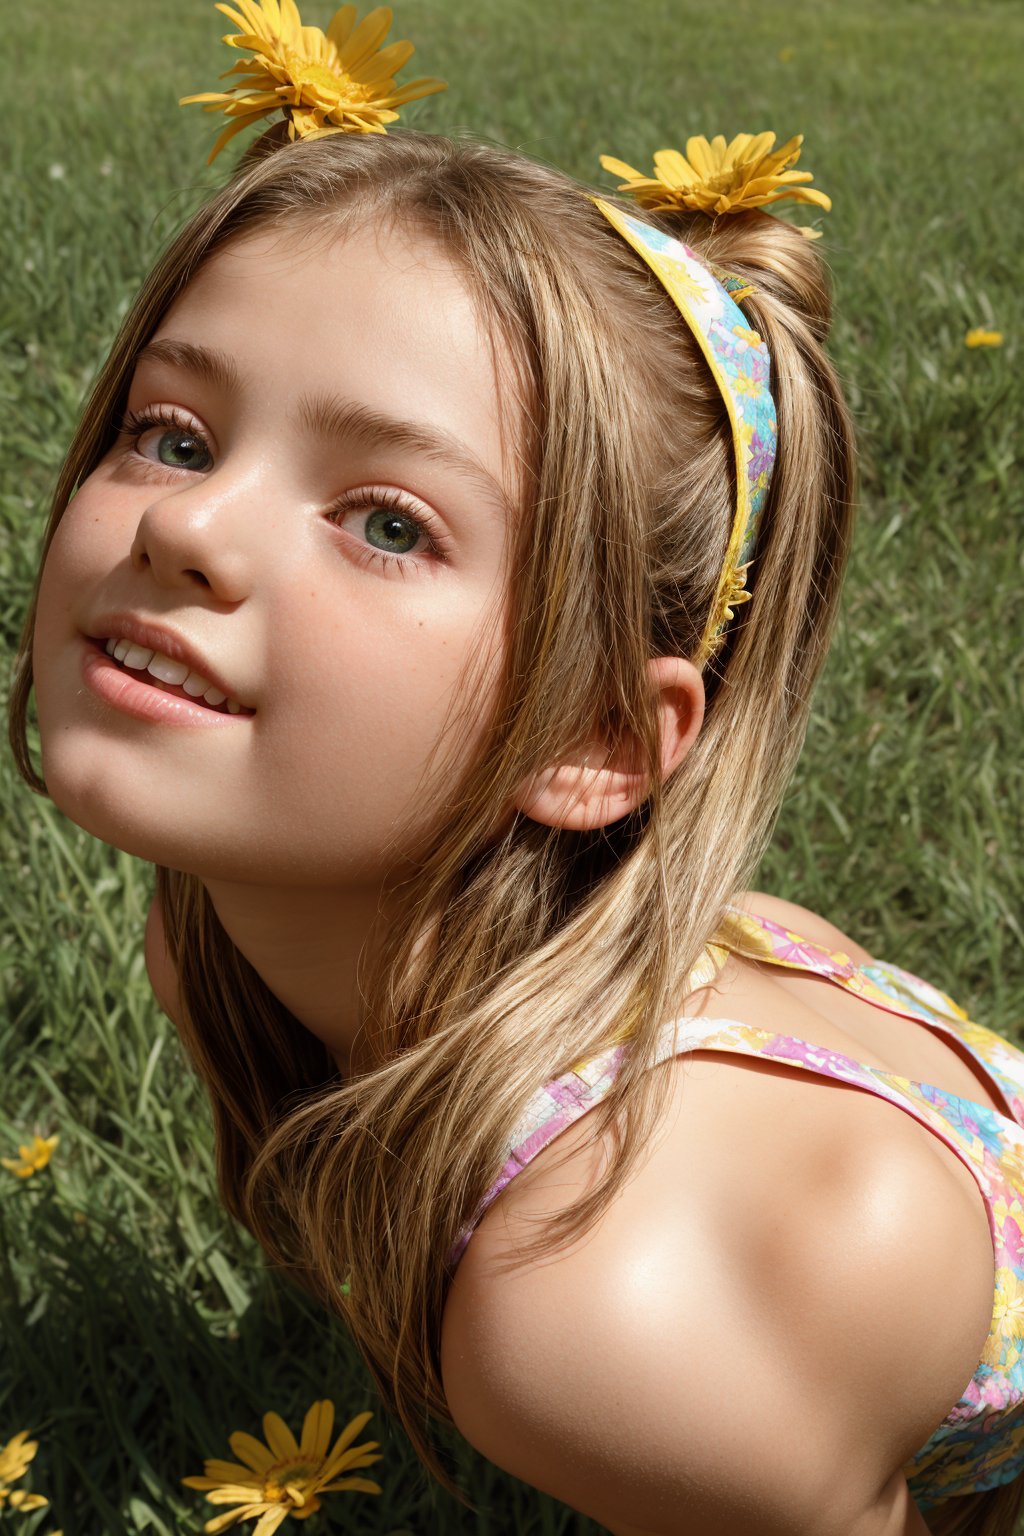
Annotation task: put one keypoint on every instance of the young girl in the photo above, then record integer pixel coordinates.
(435, 592)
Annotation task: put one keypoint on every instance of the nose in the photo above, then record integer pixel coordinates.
(200, 537)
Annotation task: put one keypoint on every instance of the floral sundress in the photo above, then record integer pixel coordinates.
(980, 1443)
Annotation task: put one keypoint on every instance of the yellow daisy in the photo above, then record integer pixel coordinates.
(14, 1459)
(34, 1155)
(284, 1478)
(720, 177)
(341, 81)
(979, 337)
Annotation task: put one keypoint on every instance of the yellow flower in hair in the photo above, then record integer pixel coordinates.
(341, 81)
(722, 178)
(286, 1478)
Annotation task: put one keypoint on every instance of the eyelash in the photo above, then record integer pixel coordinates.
(135, 424)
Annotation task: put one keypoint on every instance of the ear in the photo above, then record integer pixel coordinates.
(592, 791)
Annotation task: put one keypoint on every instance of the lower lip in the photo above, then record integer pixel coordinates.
(110, 682)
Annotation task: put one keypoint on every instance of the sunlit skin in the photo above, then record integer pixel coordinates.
(257, 541)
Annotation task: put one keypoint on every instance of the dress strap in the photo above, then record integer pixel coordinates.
(761, 938)
(886, 986)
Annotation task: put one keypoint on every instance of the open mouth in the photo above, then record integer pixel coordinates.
(166, 675)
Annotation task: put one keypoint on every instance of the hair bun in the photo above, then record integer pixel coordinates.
(781, 265)
(713, 197)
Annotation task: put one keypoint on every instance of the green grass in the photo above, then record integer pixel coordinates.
(139, 1328)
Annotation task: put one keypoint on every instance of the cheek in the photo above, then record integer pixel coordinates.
(62, 570)
(88, 541)
(368, 701)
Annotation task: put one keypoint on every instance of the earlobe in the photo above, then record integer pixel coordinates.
(578, 797)
(593, 791)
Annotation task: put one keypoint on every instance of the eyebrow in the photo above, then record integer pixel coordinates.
(329, 417)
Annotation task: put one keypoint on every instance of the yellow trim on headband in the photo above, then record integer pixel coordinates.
(740, 365)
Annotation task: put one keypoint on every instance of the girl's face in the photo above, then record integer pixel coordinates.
(307, 511)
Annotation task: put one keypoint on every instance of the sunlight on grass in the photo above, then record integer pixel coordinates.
(140, 1325)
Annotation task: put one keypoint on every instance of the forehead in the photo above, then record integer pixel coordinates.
(381, 314)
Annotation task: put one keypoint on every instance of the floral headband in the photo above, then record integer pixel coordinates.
(342, 81)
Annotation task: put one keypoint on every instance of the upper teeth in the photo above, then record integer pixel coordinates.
(140, 658)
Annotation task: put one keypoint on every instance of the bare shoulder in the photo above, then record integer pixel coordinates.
(803, 921)
(765, 1368)
(163, 977)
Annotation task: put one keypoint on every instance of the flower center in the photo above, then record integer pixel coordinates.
(320, 86)
(284, 1476)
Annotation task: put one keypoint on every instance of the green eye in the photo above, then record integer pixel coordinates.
(397, 529)
(179, 449)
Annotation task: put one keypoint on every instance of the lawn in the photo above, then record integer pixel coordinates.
(139, 1328)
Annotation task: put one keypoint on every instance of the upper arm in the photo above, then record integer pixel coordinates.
(803, 921)
(772, 1380)
(163, 977)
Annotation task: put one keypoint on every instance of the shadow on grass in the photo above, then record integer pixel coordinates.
(128, 1382)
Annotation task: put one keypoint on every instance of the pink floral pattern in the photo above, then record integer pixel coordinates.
(980, 1443)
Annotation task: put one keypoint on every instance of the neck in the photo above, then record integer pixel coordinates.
(304, 943)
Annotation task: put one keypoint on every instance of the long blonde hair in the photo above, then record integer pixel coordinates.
(546, 945)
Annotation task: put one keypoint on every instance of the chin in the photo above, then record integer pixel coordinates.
(102, 805)
(91, 805)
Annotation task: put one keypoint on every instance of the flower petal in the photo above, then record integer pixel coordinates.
(427, 86)
(221, 1522)
(251, 1451)
(386, 63)
(291, 21)
(349, 1433)
(673, 169)
(316, 1429)
(357, 1456)
(16, 1455)
(269, 1522)
(788, 154)
(355, 1485)
(231, 1472)
(698, 152)
(19, 1499)
(248, 40)
(747, 147)
(366, 38)
(232, 16)
(350, 1461)
(279, 1437)
(340, 29)
(232, 1494)
(620, 168)
(801, 195)
(229, 133)
(271, 13)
